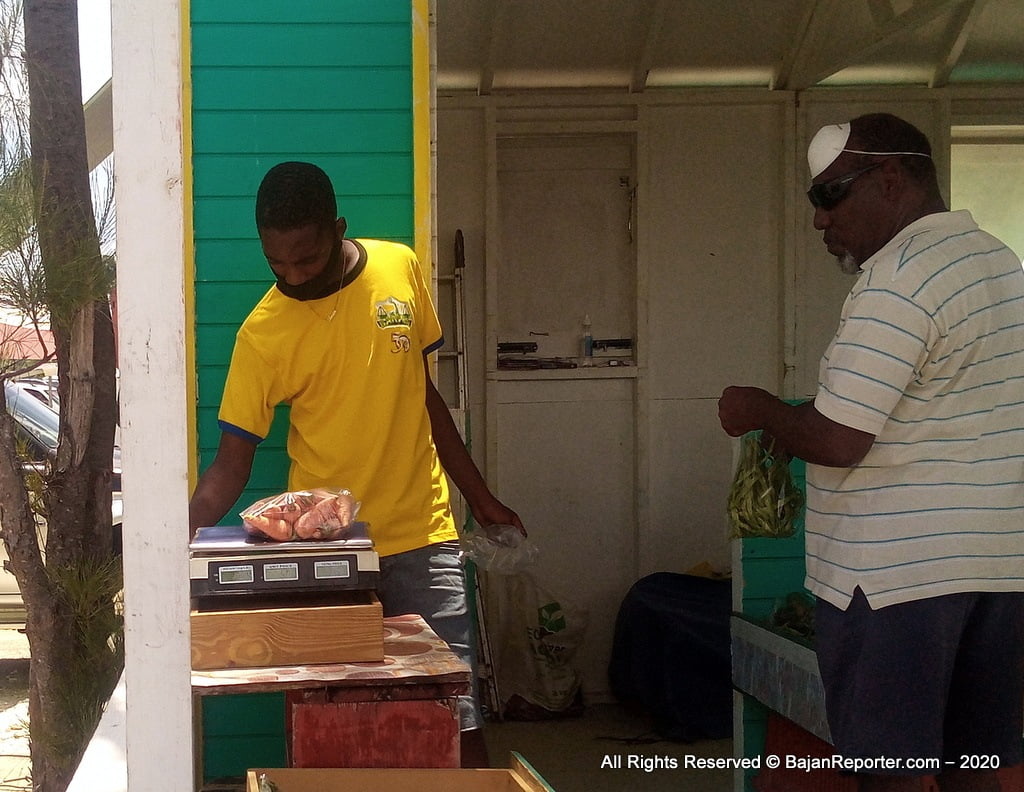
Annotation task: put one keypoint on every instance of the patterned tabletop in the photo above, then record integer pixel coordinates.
(413, 654)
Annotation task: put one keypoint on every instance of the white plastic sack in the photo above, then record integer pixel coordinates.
(540, 637)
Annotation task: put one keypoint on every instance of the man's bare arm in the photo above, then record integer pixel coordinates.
(222, 482)
(459, 465)
(800, 429)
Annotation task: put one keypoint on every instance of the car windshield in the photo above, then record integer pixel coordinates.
(35, 417)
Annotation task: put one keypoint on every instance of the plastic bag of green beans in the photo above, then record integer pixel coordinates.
(763, 500)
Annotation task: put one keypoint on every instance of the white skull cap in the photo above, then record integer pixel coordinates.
(826, 145)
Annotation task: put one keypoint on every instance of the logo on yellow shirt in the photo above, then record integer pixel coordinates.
(393, 313)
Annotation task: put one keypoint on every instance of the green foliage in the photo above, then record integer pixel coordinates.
(21, 276)
(794, 616)
(35, 481)
(91, 591)
(17, 208)
(13, 92)
(79, 277)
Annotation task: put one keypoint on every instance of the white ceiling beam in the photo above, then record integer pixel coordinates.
(99, 125)
(645, 57)
(959, 32)
(863, 46)
(780, 80)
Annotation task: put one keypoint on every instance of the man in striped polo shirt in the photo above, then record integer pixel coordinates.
(915, 477)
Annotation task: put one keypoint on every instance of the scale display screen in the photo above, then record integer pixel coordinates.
(288, 571)
(235, 574)
(277, 572)
(331, 570)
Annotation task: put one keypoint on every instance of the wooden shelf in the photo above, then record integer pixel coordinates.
(588, 372)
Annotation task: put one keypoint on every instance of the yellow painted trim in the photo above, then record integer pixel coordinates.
(421, 138)
(421, 123)
(189, 251)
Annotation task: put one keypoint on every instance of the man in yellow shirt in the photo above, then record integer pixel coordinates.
(343, 338)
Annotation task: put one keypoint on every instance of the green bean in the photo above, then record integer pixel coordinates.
(763, 500)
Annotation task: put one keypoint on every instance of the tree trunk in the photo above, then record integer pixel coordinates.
(76, 494)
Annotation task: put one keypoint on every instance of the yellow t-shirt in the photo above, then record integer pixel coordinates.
(351, 367)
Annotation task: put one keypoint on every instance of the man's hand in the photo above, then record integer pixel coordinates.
(494, 512)
(744, 409)
(798, 430)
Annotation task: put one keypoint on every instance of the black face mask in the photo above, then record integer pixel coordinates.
(323, 285)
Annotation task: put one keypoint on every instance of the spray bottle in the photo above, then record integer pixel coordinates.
(588, 343)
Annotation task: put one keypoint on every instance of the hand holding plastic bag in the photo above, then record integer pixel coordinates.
(501, 549)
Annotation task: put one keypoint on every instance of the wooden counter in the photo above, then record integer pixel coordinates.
(398, 712)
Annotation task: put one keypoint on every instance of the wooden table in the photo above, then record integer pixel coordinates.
(399, 712)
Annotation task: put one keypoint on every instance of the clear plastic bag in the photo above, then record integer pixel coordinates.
(501, 549)
(763, 500)
(318, 514)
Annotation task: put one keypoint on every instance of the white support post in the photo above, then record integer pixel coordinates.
(149, 122)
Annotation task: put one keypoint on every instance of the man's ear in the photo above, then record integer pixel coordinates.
(894, 178)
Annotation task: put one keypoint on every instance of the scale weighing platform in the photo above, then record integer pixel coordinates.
(226, 560)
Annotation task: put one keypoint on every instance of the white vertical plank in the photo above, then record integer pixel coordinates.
(643, 424)
(151, 244)
(492, 255)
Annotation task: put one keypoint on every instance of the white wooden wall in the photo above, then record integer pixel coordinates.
(733, 286)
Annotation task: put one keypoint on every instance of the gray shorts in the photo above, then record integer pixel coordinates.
(937, 678)
(431, 582)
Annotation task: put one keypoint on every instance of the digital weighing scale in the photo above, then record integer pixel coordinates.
(226, 560)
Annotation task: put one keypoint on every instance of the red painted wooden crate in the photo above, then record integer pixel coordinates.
(416, 732)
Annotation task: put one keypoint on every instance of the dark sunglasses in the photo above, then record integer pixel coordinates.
(827, 195)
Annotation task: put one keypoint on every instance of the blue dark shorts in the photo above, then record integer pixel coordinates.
(431, 581)
(936, 678)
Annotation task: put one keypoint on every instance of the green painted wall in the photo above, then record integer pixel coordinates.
(328, 82)
(272, 81)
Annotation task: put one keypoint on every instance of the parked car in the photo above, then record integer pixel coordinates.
(42, 388)
(37, 426)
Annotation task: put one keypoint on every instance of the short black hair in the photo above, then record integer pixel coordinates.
(887, 132)
(293, 195)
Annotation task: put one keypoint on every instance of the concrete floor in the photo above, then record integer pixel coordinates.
(594, 753)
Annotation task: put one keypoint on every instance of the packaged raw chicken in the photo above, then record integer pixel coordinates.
(318, 514)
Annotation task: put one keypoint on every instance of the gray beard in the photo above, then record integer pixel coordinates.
(848, 264)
